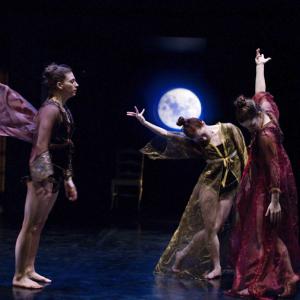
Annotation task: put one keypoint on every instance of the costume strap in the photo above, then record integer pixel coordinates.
(227, 161)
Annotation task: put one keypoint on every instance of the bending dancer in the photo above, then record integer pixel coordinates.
(195, 243)
(50, 131)
(265, 239)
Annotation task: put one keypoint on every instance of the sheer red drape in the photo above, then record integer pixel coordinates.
(263, 253)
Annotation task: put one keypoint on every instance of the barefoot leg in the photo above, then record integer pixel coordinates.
(30, 269)
(292, 279)
(180, 255)
(36, 212)
(213, 221)
(25, 282)
(244, 293)
(37, 277)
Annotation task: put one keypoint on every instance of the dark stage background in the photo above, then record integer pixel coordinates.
(111, 47)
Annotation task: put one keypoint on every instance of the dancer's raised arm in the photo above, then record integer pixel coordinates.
(260, 82)
(140, 117)
(261, 97)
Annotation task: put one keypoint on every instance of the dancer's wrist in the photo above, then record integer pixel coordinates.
(68, 180)
(275, 197)
(260, 65)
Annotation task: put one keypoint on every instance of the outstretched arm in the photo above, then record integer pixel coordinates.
(154, 128)
(260, 82)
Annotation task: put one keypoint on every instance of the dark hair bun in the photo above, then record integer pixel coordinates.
(49, 70)
(240, 102)
(54, 73)
(181, 121)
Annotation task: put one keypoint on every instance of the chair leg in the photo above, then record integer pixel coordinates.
(140, 197)
(113, 195)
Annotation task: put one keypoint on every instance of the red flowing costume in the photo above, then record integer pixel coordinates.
(261, 251)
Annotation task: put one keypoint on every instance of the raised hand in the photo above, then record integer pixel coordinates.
(260, 58)
(137, 114)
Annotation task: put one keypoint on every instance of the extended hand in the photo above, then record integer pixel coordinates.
(70, 189)
(274, 210)
(260, 58)
(137, 114)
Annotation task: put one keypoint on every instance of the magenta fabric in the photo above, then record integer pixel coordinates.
(260, 250)
(273, 111)
(17, 115)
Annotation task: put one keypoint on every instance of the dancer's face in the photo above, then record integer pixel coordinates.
(253, 124)
(202, 135)
(69, 86)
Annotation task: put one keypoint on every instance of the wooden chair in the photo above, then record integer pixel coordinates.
(128, 181)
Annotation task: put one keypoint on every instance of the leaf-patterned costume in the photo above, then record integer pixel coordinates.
(221, 174)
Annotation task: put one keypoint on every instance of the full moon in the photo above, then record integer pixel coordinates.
(176, 103)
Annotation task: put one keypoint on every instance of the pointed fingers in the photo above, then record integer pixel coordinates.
(136, 110)
(142, 112)
(267, 213)
(131, 114)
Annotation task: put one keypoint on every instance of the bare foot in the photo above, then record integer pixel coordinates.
(37, 277)
(178, 258)
(26, 283)
(215, 273)
(244, 292)
(290, 287)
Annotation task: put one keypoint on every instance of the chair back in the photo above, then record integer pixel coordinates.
(129, 164)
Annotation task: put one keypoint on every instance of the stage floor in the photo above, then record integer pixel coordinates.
(111, 263)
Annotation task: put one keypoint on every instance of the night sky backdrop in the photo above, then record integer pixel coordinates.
(112, 47)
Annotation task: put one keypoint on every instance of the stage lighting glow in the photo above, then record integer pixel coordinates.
(178, 102)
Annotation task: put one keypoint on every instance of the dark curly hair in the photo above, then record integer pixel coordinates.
(53, 74)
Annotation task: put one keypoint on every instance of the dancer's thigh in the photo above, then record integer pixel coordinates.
(39, 201)
(209, 204)
(225, 205)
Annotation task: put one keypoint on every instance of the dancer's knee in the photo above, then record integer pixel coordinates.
(36, 228)
(210, 233)
(33, 228)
